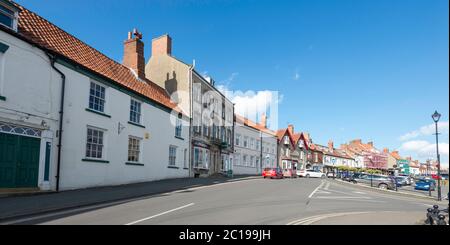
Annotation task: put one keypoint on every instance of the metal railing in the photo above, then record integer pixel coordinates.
(435, 217)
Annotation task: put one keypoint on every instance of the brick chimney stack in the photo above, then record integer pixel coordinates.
(263, 122)
(370, 143)
(386, 150)
(356, 141)
(162, 45)
(331, 145)
(133, 55)
(291, 129)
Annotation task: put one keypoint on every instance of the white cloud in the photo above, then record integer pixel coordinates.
(230, 78)
(425, 149)
(296, 75)
(252, 104)
(426, 131)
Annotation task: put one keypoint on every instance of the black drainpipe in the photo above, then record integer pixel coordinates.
(61, 116)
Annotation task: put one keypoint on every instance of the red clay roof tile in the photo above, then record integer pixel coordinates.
(47, 35)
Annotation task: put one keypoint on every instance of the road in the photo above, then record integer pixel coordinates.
(252, 202)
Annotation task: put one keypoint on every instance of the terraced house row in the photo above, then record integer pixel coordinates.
(70, 117)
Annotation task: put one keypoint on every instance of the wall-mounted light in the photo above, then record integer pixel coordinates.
(120, 128)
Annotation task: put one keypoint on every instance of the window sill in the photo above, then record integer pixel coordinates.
(186, 168)
(2, 98)
(98, 113)
(94, 160)
(179, 138)
(134, 164)
(173, 167)
(136, 124)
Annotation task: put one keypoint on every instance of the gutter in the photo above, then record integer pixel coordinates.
(61, 117)
(191, 102)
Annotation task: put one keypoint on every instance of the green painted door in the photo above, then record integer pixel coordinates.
(8, 154)
(19, 161)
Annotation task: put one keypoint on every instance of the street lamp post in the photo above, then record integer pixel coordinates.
(436, 116)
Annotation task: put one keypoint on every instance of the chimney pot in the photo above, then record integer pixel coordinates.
(133, 56)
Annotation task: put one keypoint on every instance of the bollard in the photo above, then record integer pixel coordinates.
(429, 220)
(441, 220)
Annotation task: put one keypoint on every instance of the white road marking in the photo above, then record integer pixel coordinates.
(359, 192)
(318, 187)
(342, 197)
(313, 219)
(327, 186)
(157, 215)
(426, 205)
(323, 192)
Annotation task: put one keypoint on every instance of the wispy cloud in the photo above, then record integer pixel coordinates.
(425, 131)
(425, 149)
(296, 75)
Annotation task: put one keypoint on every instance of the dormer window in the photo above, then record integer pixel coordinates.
(8, 14)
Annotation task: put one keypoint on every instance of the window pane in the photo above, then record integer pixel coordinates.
(6, 20)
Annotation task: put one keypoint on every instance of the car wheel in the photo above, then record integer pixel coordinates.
(383, 186)
(323, 177)
(307, 176)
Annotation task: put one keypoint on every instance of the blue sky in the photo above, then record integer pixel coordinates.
(346, 69)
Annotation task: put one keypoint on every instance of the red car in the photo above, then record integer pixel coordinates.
(435, 177)
(273, 173)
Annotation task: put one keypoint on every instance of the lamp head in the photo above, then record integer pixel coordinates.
(436, 116)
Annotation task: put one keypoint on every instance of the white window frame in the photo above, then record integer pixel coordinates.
(105, 99)
(179, 128)
(104, 147)
(138, 113)
(14, 16)
(238, 140)
(139, 150)
(185, 165)
(173, 159)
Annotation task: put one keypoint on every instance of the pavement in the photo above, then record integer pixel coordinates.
(245, 201)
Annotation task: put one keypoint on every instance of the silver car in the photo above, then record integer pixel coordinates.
(380, 181)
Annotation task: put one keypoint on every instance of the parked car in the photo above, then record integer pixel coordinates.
(425, 185)
(273, 173)
(289, 173)
(408, 178)
(331, 175)
(436, 177)
(380, 181)
(444, 176)
(311, 173)
(402, 181)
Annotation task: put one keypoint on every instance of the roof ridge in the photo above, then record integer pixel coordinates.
(48, 36)
(76, 38)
